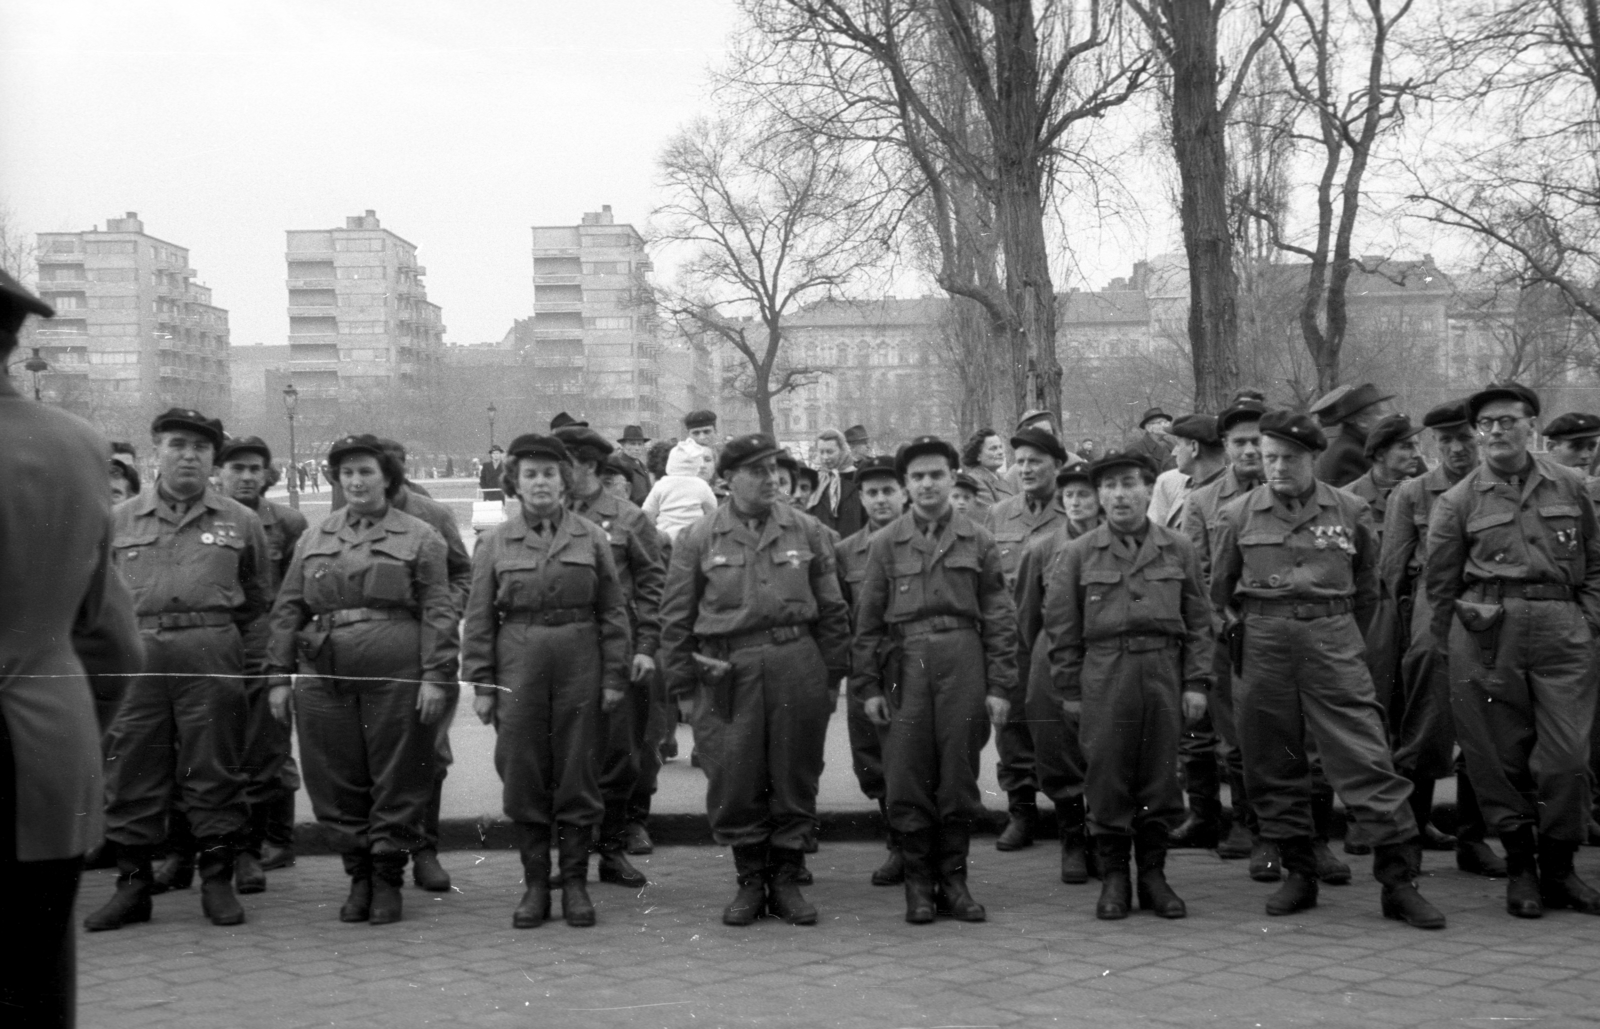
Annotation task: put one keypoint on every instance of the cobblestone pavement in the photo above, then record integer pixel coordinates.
(661, 957)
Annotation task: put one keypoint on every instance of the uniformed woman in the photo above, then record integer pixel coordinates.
(365, 615)
(546, 647)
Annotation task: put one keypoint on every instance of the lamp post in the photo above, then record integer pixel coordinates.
(491, 425)
(36, 364)
(291, 399)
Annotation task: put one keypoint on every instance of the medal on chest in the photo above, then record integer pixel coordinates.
(1332, 536)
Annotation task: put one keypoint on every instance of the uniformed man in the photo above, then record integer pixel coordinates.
(1294, 566)
(1033, 512)
(1574, 440)
(934, 661)
(1514, 580)
(1421, 730)
(1392, 448)
(754, 627)
(1130, 641)
(628, 765)
(1354, 411)
(1198, 457)
(197, 565)
(883, 497)
(272, 776)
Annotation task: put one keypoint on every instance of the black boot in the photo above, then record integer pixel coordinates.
(1429, 835)
(917, 848)
(1397, 866)
(427, 873)
(1559, 885)
(1329, 868)
(1473, 853)
(131, 902)
(248, 875)
(616, 868)
(1240, 841)
(1116, 889)
(217, 899)
(534, 907)
(388, 876)
(572, 844)
(1023, 812)
(1200, 827)
(638, 839)
(174, 869)
(893, 870)
(277, 850)
(1150, 849)
(783, 887)
(358, 906)
(955, 844)
(750, 867)
(1266, 863)
(1522, 871)
(1074, 860)
(1299, 889)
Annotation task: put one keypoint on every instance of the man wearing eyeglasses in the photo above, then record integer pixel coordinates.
(1514, 579)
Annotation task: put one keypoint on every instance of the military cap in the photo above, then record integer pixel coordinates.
(757, 446)
(1573, 425)
(966, 482)
(699, 419)
(613, 466)
(1446, 415)
(563, 420)
(16, 303)
(923, 446)
(393, 446)
(1151, 415)
(1245, 409)
(365, 443)
(633, 434)
(194, 421)
(576, 435)
(532, 444)
(876, 467)
(1390, 429)
(856, 434)
(1501, 391)
(1202, 428)
(1294, 427)
(1101, 467)
(1031, 416)
(1072, 471)
(1038, 439)
(1340, 403)
(1250, 393)
(245, 445)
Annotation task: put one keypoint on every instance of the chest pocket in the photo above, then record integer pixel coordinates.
(138, 559)
(1009, 544)
(1164, 588)
(1097, 584)
(1496, 537)
(388, 575)
(724, 572)
(219, 560)
(516, 583)
(577, 579)
(1561, 523)
(1266, 559)
(906, 583)
(791, 574)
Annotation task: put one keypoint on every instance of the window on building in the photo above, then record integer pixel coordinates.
(361, 245)
(311, 269)
(126, 303)
(361, 271)
(113, 357)
(557, 266)
(64, 301)
(312, 326)
(359, 328)
(64, 327)
(110, 246)
(113, 275)
(63, 246)
(311, 298)
(61, 273)
(609, 322)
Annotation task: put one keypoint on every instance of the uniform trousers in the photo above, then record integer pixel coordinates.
(866, 748)
(938, 724)
(650, 718)
(1306, 681)
(1132, 719)
(1525, 721)
(179, 737)
(763, 758)
(1420, 721)
(547, 723)
(1057, 747)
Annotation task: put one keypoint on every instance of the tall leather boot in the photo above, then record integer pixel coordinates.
(783, 886)
(1116, 886)
(1150, 850)
(1299, 889)
(612, 847)
(1023, 818)
(426, 871)
(1074, 860)
(216, 882)
(1522, 872)
(917, 848)
(1430, 838)
(1559, 885)
(534, 907)
(1239, 842)
(893, 870)
(1201, 826)
(278, 850)
(388, 876)
(955, 844)
(1473, 853)
(1397, 866)
(131, 902)
(358, 906)
(750, 869)
(1329, 868)
(572, 844)
(174, 867)
(248, 875)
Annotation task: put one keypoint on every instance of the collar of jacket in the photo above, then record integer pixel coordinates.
(905, 527)
(1265, 499)
(1484, 479)
(602, 504)
(517, 526)
(1231, 486)
(726, 520)
(391, 522)
(150, 500)
(1437, 480)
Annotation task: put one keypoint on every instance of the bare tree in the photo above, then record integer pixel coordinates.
(771, 222)
(19, 249)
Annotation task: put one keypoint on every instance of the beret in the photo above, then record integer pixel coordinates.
(194, 421)
(966, 482)
(578, 435)
(1573, 425)
(1293, 427)
(699, 419)
(1202, 428)
(1073, 471)
(745, 449)
(1040, 440)
(1151, 415)
(880, 466)
(1501, 391)
(1445, 415)
(245, 445)
(1245, 409)
(563, 420)
(1390, 430)
(365, 443)
(856, 434)
(923, 446)
(532, 444)
(1099, 468)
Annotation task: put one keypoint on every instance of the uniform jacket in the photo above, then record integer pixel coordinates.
(1014, 526)
(1098, 590)
(1326, 551)
(1141, 442)
(636, 553)
(513, 569)
(283, 527)
(850, 554)
(56, 587)
(725, 580)
(397, 563)
(1405, 532)
(910, 577)
(457, 563)
(1376, 494)
(992, 487)
(1345, 459)
(1201, 510)
(211, 557)
(1482, 530)
(1033, 579)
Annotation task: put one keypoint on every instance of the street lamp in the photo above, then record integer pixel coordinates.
(291, 399)
(36, 364)
(491, 425)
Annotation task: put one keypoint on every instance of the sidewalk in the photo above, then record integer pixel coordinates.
(662, 958)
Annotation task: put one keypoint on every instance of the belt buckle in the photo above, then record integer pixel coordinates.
(1302, 611)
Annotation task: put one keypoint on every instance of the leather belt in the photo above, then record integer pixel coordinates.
(548, 616)
(1497, 589)
(1138, 642)
(936, 623)
(1301, 609)
(185, 620)
(352, 615)
(764, 637)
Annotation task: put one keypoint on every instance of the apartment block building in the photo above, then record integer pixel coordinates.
(134, 332)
